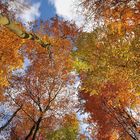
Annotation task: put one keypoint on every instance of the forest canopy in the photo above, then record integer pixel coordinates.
(70, 73)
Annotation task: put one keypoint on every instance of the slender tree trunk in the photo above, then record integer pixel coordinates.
(37, 128)
(30, 133)
(34, 129)
(8, 122)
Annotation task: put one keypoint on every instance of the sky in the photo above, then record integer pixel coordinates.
(42, 9)
(46, 9)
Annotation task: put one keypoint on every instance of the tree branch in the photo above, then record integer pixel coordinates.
(8, 122)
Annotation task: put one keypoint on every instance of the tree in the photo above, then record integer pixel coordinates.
(44, 97)
(42, 90)
(10, 56)
(11, 118)
(20, 32)
(102, 56)
(109, 68)
(122, 15)
(113, 112)
(18, 36)
(69, 130)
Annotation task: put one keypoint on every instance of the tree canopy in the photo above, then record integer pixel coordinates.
(71, 72)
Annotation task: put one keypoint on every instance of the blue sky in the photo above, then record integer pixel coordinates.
(47, 10)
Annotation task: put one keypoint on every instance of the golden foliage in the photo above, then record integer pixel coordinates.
(10, 57)
(124, 14)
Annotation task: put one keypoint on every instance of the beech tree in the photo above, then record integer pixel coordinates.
(43, 90)
(102, 56)
(114, 112)
(109, 68)
(9, 55)
(18, 36)
(68, 131)
(122, 15)
(44, 97)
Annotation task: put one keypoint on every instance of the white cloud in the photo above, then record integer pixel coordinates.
(64, 8)
(28, 13)
(68, 10)
(31, 14)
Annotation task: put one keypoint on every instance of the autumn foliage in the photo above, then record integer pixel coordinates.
(39, 98)
(10, 56)
(111, 111)
(121, 15)
(40, 93)
(107, 60)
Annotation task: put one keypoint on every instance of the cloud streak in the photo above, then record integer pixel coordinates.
(64, 8)
(68, 10)
(25, 14)
(30, 14)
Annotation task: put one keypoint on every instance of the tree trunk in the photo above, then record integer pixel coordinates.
(30, 133)
(37, 128)
(11, 25)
